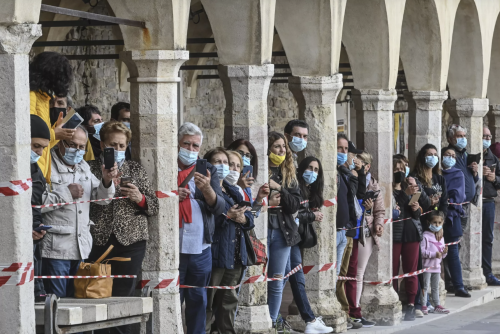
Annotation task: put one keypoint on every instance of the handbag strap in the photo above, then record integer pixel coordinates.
(103, 256)
(120, 259)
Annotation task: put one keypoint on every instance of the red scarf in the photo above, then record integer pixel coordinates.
(185, 211)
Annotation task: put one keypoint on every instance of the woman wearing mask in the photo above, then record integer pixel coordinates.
(282, 227)
(310, 178)
(407, 233)
(249, 156)
(455, 183)
(123, 223)
(229, 255)
(406, 162)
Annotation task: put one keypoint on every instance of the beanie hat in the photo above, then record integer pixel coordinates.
(39, 128)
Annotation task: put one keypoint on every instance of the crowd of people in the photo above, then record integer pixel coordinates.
(217, 210)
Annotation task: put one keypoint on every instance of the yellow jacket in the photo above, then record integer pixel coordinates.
(39, 105)
(89, 156)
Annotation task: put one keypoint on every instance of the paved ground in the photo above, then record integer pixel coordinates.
(484, 319)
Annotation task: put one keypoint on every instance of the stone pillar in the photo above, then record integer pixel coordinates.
(495, 265)
(470, 113)
(379, 303)
(17, 314)
(425, 110)
(153, 94)
(494, 122)
(316, 97)
(246, 88)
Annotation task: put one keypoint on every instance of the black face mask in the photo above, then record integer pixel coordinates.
(399, 177)
(54, 114)
(90, 130)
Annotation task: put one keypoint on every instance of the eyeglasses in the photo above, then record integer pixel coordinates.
(243, 154)
(73, 145)
(487, 137)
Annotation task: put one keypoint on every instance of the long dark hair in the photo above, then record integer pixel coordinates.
(255, 160)
(51, 73)
(314, 191)
(421, 167)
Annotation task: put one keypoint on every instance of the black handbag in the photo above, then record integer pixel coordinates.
(308, 237)
(251, 256)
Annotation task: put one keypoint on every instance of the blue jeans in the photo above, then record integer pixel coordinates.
(298, 285)
(487, 235)
(454, 264)
(55, 267)
(195, 269)
(278, 254)
(341, 244)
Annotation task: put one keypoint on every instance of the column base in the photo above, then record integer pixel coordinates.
(329, 309)
(380, 303)
(474, 279)
(253, 319)
(442, 292)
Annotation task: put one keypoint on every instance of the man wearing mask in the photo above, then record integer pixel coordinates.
(296, 132)
(491, 184)
(200, 200)
(59, 105)
(91, 121)
(121, 112)
(40, 139)
(69, 242)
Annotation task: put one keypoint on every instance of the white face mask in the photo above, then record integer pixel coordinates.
(233, 177)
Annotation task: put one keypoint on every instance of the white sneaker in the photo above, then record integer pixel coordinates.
(317, 327)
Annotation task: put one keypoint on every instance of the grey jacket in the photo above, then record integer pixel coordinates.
(69, 238)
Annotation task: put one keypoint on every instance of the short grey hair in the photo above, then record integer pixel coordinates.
(81, 127)
(453, 129)
(189, 129)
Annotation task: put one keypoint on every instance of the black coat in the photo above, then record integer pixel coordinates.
(38, 188)
(490, 188)
(352, 189)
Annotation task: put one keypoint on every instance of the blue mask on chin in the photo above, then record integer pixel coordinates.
(297, 144)
(34, 157)
(310, 176)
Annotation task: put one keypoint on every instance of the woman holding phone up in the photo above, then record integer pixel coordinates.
(122, 223)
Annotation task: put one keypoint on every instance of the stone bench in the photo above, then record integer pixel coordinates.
(71, 315)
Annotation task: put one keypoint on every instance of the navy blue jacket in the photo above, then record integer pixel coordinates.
(223, 247)
(455, 186)
(470, 180)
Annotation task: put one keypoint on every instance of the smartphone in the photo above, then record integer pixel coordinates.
(72, 120)
(370, 194)
(201, 166)
(415, 197)
(125, 180)
(109, 157)
(492, 168)
(244, 204)
(42, 228)
(247, 169)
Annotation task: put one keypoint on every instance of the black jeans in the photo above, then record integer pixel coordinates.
(122, 287)
(37, 261)
(465, 221)
(487, 235)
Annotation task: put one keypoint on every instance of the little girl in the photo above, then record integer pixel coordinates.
(433, 251)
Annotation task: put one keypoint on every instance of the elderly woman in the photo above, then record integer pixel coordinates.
(229, 255)
(123, 223)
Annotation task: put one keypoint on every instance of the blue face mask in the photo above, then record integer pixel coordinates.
(431, 161)
(34, 157)
(434, 228)
(352, 165)
(187, 157)
(97, 128)
(341, 158)
(407, 171)
(297, 144)
(119, 156)
(73, 156)
(461, 143)
(127, 124)
(449, 162)
(246, 161)
(222, 171)
(310, 176)
(486, 144)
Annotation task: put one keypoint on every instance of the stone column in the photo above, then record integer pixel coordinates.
(379, 303)
(153, 93)
(470, 113)
(17, 314)
(316, 97)
(246, 88)
(425, 109)
(494, 122)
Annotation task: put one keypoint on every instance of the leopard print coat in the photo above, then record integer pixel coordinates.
(122, 217)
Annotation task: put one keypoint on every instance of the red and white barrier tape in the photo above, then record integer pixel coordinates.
(167, 194)
(16, 266)
(109, 276)
(13, 188)
(18, 279)
(327, 203)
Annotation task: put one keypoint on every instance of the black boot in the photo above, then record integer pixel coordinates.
(410, 313)
(462, 293)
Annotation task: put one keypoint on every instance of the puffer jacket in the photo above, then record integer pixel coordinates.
(376, 218)
(69, 238)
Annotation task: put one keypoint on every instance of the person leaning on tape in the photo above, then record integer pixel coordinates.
(69, 242)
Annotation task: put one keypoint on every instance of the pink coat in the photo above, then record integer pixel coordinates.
(378, 211)
(429, 247)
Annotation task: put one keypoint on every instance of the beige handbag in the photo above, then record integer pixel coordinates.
(96, 287)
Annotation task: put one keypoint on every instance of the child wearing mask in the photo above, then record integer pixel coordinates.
(433, 251)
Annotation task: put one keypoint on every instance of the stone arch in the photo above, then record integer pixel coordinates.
(371, 35)
(471, 48)
(494, 76)
(426, 43)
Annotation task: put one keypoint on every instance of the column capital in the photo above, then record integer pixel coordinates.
(305, 88)
(18, 38)
(495, 109)
(470, 107)
(154, 66)
(427, 100)
(247, 71)
(374, 99)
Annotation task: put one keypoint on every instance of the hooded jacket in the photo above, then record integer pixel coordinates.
(429, 247)
(470, 179)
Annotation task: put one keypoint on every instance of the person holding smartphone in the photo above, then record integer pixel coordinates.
(229, 254)
(282, 226)
(491, 184)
